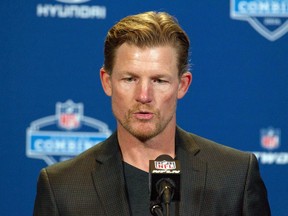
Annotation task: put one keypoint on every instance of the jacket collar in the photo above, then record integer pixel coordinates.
(193, 173)
(109, 179)
(186, 141)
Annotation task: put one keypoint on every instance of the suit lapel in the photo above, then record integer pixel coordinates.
(109, 180)
(193, 174)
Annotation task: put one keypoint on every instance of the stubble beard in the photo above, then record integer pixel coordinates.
(144, 130)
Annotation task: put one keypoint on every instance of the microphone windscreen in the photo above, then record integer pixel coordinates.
(164, 157)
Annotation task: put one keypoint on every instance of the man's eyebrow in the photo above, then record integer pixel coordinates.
(152, 75)
(129, 73)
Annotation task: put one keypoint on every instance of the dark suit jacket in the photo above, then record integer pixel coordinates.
(215, 181)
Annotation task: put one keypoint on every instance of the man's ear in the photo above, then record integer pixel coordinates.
(106, 81)
(185, 81)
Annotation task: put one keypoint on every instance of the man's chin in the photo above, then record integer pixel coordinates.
(144, 137)
(144, 133)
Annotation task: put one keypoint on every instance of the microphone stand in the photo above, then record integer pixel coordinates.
(165, 195)
(156, 209)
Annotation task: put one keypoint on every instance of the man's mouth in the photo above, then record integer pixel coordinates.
(143, 115)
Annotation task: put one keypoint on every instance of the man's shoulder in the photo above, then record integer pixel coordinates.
(218, 157)
(209, 148)
(86, 161)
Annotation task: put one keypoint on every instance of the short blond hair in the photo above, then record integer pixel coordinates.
(148, 29)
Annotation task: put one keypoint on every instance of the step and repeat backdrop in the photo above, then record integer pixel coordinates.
(53, 106)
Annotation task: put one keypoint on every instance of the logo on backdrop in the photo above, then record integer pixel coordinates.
(270, 138)
(71, 9)
(267, 17)
(73, 1)
(270, 141)
(64, 135)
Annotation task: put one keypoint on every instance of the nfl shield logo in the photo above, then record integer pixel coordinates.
(165, 165)
(270, 138)
(69, 114)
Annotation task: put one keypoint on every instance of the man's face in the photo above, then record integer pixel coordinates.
(144, 87)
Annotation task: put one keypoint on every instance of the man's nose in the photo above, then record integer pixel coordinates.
(144, 92)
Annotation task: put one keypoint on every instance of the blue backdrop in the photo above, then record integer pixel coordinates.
(53, 106)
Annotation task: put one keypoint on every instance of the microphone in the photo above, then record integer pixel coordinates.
(164, 180)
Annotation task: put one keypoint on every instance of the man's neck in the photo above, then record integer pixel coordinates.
(138, 153)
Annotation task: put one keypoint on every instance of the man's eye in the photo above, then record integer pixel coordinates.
(159, 81)
(129, 79)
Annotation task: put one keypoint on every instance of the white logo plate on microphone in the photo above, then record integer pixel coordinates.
(165, 165)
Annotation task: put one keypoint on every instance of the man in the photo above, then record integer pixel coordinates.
(145, 72)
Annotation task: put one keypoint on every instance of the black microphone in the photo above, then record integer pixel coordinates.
(164, 180)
